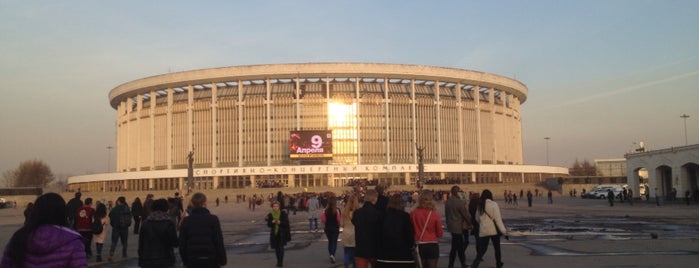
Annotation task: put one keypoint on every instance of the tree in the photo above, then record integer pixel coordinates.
(584, 169)
(8, 178)
(32, 173)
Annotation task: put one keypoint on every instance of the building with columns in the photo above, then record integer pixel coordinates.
(675, 167)
(237, 122)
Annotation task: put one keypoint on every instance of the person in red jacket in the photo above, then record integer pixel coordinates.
(83, 224)
(425, 217)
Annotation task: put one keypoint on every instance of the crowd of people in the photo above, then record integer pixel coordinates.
(378, 229)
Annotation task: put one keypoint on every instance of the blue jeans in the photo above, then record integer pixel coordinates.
(119, 233)
(349, 257)
(332, 235)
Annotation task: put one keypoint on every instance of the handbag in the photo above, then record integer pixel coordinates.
(496, 225)
(416, 248)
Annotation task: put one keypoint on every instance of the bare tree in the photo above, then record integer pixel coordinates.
(32, 173)
(8, 178)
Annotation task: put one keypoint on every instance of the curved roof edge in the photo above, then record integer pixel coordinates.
(320, 70)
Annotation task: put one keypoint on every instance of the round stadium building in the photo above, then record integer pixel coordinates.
(316, 124)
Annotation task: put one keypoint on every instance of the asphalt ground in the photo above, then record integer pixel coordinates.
(571, 232)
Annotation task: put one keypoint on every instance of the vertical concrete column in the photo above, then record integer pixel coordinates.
(414, 117)
(479, 139)
(438, 112)
(406, 178)
(168, 128)
(214, 125)
(522, 176)
(500, 177)
(459, 117)
(190, 118)
(139, 107)
(151, 114)
(268, 120)
(473, 177)
(253, 185)
(387, 119)
(216, 180)
(290, 181)
(180, 184)
(359, 124)
(491, 100)
(129, 151)
(151, 184)
(241, 108)
(297, 103)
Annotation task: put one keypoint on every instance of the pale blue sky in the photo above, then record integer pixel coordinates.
(601, 74)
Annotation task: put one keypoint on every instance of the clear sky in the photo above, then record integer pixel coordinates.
(601, 74)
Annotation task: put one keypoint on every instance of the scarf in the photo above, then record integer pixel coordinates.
(275, 216)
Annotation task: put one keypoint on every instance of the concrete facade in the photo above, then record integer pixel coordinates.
(239, 118)
(676, 167)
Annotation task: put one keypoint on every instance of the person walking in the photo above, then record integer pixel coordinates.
(367, 230)
(158, 238)
(83, 224)
(120, 219)
(72, 208)
(427, 228)
(331, 218)
(630, 193)
(45, 240)
(99, 237)
(201, 239)
(313, 207)
(550, 196)
(280, 231)
(458, 221)
(473, 204)
(490, 228)
(397, 236)
(610, 197)
(529, 197)
(348, 241)
(138, 214)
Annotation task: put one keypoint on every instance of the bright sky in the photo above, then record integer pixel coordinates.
(601, 74)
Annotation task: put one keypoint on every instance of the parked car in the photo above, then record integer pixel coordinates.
(600, 191)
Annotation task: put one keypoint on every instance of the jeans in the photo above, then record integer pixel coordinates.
(98, 249)
(332, 235)
(119, 233)
(310, 224)
(349, 257)
(87, 242)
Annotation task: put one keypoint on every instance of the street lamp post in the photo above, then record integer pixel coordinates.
(685, 116)
(109, 158)
(547, 149)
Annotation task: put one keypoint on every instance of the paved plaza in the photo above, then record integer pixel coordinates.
(571, 232)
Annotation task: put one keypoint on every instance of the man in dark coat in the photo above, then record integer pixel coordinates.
(201, 239)
(72, 209)
(382, 201)
(158, 238)
(367, 230)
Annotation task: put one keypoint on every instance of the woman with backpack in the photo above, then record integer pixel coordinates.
(158, 238)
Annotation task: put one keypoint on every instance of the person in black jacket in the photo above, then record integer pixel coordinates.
(137, 212)
(397, 236)
(201, 240)
(280, 231)
(158, 238)
(367, 231)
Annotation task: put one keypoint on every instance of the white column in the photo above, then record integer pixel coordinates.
(356, 116)
(268, 119)
(214, 125)
(491, 100)
(438, 112)
(479, 140)
(241, 107)
(129, 150)
(414, 117)
(298, 103)
(169, 127)
(387, 120)
(190, 117)
(461, 123)
(139, 107)
(152, 129)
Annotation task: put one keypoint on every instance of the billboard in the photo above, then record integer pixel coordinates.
(311, 144)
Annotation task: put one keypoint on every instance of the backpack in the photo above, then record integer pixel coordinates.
(97, 227)
(125, 218)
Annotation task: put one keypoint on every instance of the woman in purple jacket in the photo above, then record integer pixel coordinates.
(45, 240)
